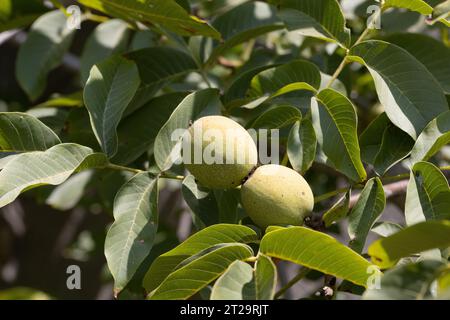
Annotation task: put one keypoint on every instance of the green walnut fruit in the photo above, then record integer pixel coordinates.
(219, 152)
(277, 195)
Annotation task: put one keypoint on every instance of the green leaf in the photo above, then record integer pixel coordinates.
(47, 42)
(108, 38)
(301, 146)
(239, 87)
(364, 214)
(76, 129)
(166, 13)
(21, 132)
(414, 239)
(157, 66)
(73, 100)
(335, 123)
(419, 6)
(23, 293)
(318, 251)
(108, 91)
(428, 194)
(295, 75)
(410, 105)
(53, 167)
(68, 194)
(131, 236)
(197, 104)
(407, 282)
(15, 14)
(321, 19)
(242, 282)
(203, 239)
(441, 13)
(196, 272)
(383, 144)
(242, 23)
(227, 203)
(137, 132)
(338, 211)
(433, 54)
(209, 206)
(277, 117)
(385, 229)
(435, 136)
(202, 203)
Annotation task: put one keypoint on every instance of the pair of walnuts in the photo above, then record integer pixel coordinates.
(270, 194)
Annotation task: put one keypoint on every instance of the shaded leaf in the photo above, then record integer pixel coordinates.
(108, 91)
(131, 236)
(301, 146)
(157, 67)
(409, 93)
(21, 132)
(318, 251)
(277, 117)
(108, 38)
(198, 271)
(239, 87)
(203, 239)
(383, 144)
(310, 18)
(435, 136)
(16, 14)
(47, 42)
(338, 211)
(137, 132)
(414, 239)
(433, 54)
(242, 23)
(278, 80)
(364, 214)
(335, 123)
(428, 194)
(53, 167)
(202, 203)
(195, 105)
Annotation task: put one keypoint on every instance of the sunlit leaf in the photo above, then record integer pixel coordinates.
(318, 251)
(203, 239)
(412, 240)
(196, 272)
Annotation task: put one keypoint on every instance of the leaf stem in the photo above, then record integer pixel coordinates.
(164, 175)
(345, 61)
(123, 168)
(301, 274)
(338, 71)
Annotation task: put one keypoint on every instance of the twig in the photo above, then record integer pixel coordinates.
(301, 274)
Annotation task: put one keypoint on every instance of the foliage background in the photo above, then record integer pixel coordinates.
(40, 234)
